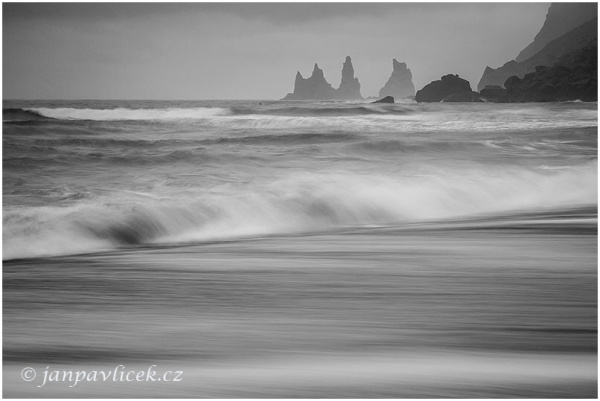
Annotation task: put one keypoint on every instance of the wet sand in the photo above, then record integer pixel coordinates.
(499, 307)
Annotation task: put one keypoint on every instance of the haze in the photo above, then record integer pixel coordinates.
(245, 50)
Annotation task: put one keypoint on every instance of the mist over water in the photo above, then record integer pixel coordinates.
(302, 249)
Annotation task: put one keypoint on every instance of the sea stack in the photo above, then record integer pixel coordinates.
(400, 84)
(317, 88)
(314, 88)
(349, 86)
(447, 87)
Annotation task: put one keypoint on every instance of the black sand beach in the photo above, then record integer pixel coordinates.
(502, 307)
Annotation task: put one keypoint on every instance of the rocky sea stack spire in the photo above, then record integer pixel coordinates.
(400, 84)
(316, 87)
(349, 87)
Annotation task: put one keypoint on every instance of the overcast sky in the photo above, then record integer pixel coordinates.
(245, 50)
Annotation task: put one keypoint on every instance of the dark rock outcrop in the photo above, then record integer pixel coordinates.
(574, 77)
(493, 93)
(560, 19)
(313, 88)
(387, 99)
(573, 40)
(437, 91)
(349, 86)
(400, 84)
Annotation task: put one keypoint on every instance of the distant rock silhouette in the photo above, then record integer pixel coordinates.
(313, 88)
(317, 88)
(438, 91)
(349, 86)
(400, 84)
(387, 99)
(572, 40)
(560, 19)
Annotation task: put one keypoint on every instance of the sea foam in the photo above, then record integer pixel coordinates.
(120, 114)
(301, 202)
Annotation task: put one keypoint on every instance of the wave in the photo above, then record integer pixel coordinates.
(496, 149)
(118, 114)
(327, 111)
(67, 151)
(122, 114)
(297, 203)
(19, 115)
(414, 118)
(291, 138)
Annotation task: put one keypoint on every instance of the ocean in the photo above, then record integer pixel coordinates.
(301, 249)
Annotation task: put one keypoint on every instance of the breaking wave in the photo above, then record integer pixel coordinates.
(299, 203)
(18, 115)
(118, 114)
(411, 117)
(123, 114)
(327, 111)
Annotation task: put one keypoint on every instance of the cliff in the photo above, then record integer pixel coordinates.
(574, 76)
(571, 41)
(400, 84)
(560, 19)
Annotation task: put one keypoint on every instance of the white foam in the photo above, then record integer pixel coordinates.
(414, 119)
(297, 202)
(120, 114)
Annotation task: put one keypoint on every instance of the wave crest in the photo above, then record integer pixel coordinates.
(19, 115)
(118, 114)
(300, 203)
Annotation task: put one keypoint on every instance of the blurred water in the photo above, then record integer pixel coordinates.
(85, 176)
(486, 309)
(302, 250)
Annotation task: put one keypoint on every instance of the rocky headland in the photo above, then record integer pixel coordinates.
(557, 41)
(560, 19)
(559, 65)
(574, 76)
